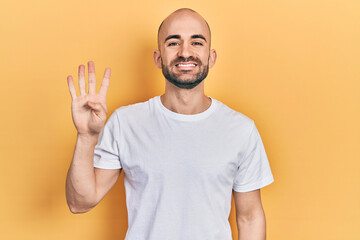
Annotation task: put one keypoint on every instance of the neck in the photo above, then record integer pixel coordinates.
(185, 101)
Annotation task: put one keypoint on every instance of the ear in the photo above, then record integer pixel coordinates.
(212, 58)
(157, 58)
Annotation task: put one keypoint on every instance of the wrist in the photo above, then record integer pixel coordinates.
(88, 138)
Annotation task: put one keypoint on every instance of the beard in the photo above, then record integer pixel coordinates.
(190, 82)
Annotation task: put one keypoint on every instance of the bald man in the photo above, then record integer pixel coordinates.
(183, 153)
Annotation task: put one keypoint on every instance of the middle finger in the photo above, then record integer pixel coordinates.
(92, 77)
(82, 80)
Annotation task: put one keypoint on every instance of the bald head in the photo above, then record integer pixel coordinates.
(184, 53)
(187, 17)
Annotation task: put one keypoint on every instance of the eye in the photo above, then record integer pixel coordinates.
(197, 44)
(173, 44)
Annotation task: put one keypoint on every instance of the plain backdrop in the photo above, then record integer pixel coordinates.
(291, 66)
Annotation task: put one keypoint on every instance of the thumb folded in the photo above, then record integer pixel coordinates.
(97, 107)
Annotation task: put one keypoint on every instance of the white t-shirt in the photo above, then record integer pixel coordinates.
(180, 169)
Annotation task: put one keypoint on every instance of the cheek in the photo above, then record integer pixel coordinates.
(164, 56)
(167, 60)
(205, 60)
(204, 56)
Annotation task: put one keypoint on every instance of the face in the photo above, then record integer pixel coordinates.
(184, 53)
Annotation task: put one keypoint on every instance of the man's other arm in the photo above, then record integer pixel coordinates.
(250, 216)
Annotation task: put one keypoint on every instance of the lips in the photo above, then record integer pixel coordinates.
(186, 65)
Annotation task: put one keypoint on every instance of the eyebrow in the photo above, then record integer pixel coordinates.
(199, 36)
(176, 36)
(172, 37)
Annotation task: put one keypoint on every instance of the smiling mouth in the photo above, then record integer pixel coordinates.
(186, 65)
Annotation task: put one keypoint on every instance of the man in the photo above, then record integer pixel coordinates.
(183, 153)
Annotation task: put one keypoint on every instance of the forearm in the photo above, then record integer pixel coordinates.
(252, 229)
(80, 181)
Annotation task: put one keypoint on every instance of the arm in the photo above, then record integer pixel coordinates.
(86, 185)
(250, 216)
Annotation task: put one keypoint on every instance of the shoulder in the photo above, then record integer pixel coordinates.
(139, 110)
(233, 118)
(134, 108)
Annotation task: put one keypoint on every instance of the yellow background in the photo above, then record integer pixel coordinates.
(292, 66)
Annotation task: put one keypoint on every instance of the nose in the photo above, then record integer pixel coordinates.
(184, 51)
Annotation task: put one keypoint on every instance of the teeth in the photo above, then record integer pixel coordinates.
(186, 65)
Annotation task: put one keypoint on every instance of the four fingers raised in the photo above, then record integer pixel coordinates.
(92, 81)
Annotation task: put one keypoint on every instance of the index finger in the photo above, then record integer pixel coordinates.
(105, 82)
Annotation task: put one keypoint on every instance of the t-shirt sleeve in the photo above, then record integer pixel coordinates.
(106, 153)
(254, 170)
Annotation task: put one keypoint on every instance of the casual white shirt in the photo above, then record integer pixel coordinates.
(180, 169)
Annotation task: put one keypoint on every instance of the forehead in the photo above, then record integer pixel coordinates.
(185, 25)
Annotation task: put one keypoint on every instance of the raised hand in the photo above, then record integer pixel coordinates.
(89, 109)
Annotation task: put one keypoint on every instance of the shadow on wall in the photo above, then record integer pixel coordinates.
(146, 85)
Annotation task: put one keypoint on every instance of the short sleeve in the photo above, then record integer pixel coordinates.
(106, 153)
(254, 170)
